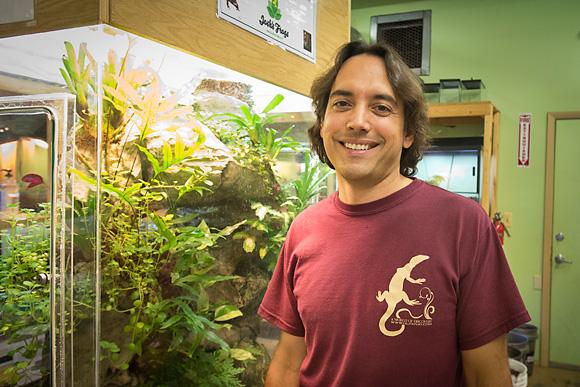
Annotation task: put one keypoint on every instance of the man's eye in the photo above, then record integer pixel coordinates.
(384, 109)
(340, 104)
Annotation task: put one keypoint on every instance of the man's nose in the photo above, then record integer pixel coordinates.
(359, 119)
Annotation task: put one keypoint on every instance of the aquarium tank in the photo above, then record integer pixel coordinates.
(457, 171)
(145, 194)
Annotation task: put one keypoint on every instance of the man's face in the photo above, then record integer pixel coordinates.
(363, 125)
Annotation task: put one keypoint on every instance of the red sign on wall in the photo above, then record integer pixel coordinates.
(525, 129)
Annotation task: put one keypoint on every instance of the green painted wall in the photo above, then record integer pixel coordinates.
(527, 52)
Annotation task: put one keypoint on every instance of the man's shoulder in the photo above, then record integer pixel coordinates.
(436, 192)
(444, 200)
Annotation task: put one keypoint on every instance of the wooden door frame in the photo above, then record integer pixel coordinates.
(548, 231)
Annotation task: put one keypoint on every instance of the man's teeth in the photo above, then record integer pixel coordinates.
(356, 146)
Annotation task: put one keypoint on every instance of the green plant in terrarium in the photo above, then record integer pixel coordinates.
(24, 300)
(254, 126)
(308, 185)
(25, 295)
(156, 262)
(276, 222)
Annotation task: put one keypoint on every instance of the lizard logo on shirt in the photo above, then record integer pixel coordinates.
(396, 294)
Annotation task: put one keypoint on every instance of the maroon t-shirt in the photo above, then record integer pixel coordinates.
(387, 293)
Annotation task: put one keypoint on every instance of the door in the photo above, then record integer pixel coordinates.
(564, 261)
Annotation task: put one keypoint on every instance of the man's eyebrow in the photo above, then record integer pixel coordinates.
(346, 93)
(342, 93)
(386, 97)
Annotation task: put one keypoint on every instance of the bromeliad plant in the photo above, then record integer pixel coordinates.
(252, 140)
(310, 184)
(254, 127)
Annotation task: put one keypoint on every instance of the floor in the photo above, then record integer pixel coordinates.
(553, 377)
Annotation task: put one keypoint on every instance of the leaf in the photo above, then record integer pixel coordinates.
(213, 337)
(179, 148)
(110, 346)
(188, 288)
(249, 245)
(164, 231)
(261, 212)
(67, 80)
(275, 102)
(92, 182)
(173, 320)
(194, 319)
(177, 340)
(229, 229)
(227, 312)
(130, 93)
(138, 349)
(151, 158)
(241, 354)
(167, 155)
(247, 113)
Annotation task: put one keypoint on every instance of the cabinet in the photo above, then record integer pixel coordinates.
(481, 112)
(192, 26)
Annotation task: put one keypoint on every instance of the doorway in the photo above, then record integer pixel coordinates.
(561, 278)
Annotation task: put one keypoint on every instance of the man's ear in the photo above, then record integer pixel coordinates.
(408, 141)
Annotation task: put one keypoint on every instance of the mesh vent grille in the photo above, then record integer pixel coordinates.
(406, 37)
(409, 33)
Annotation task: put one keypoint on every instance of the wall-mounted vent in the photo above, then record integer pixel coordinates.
(409, 33)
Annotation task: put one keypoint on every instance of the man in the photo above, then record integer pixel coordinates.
(390, 281)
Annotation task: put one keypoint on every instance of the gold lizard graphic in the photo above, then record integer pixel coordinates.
(396, 294)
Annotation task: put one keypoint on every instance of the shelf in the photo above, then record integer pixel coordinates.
(481, 112)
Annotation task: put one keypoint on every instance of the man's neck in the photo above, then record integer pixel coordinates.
(356, 193)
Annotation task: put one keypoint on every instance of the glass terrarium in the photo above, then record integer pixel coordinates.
(473, 90)
(145, 194)
(450, 90)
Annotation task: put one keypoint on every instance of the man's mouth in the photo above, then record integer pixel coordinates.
(354, 146)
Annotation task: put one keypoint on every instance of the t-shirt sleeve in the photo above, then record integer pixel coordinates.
(279, 305)
(489, 301)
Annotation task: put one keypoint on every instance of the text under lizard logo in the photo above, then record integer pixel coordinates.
(396, 294)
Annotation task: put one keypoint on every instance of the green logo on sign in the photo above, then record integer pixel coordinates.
(273, 9)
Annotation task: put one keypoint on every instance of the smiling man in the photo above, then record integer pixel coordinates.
(390, 281)
(363, 131)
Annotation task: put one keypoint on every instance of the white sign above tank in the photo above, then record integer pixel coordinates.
(289, 24)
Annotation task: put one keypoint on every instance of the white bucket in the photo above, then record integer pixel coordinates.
(519, 373)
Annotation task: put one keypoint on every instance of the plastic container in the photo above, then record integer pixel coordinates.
(516, 354)
(431, 91)
(519, 373)
(449, 90)
(518, 341)
(473, 90)
(531, 333)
